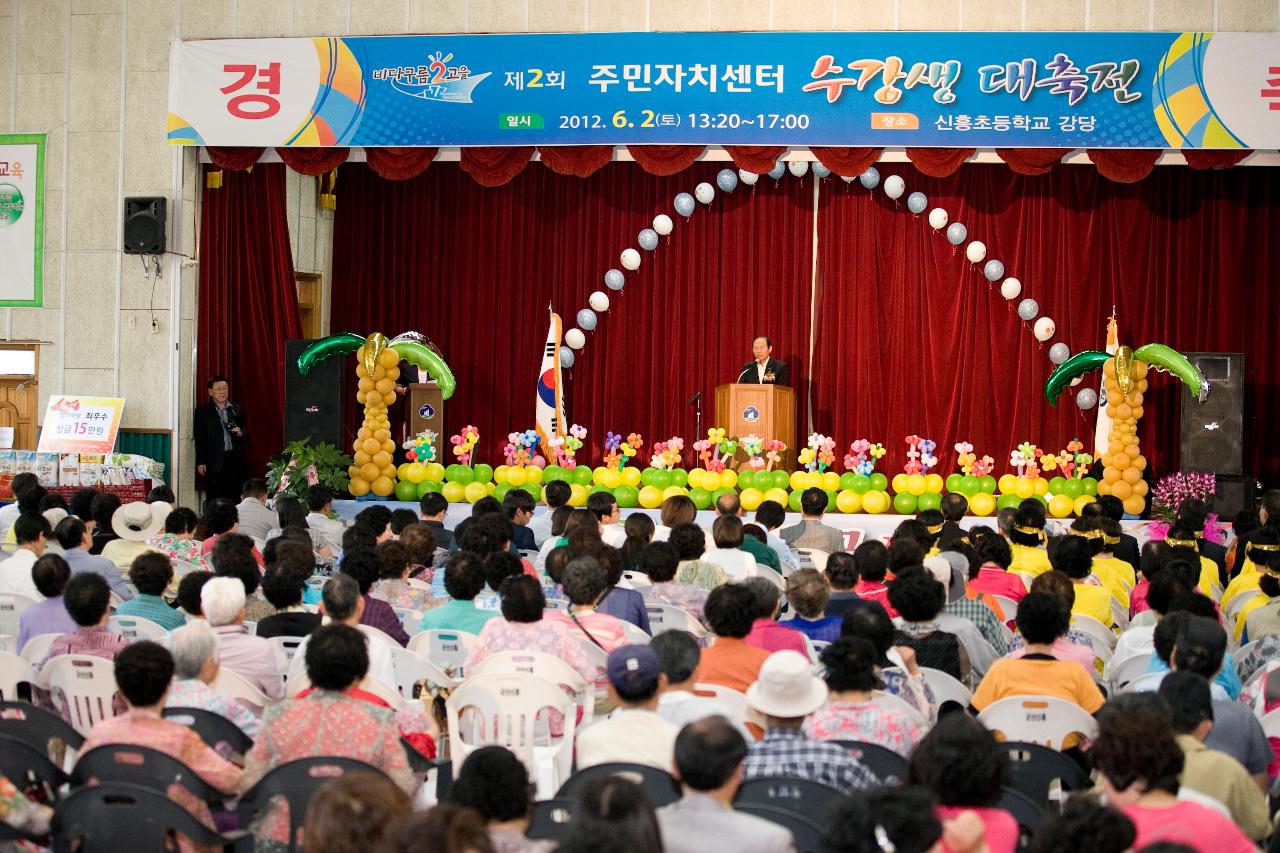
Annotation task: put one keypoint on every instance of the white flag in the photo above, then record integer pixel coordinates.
(1102, 432)
(549, 420)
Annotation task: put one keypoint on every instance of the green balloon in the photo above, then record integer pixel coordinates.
(626, 496)
(598, 487)
(953, 482)
(794, 500)
(879, 482)
(464, 475)
(646, 476)
(721, 492)
(406, 491)
(1044, 500)
(781, 480)
(426, 487)
(1072, 488)
(534, 490)
(552, 473)
(1090, 486)
(747, 479)
(861, 483)
(451, 472)
(701, 497)
(988, 484)
(846, 480)
(1009, 501)
(483, 473)
(662, 479)
(929, 500)
(1056, 486)
(831, 501)
(904, 503)
(970, 485)
(679, 477)
(581, 475)
(500, 490)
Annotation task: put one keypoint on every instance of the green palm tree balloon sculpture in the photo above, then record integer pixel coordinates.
(377, 368)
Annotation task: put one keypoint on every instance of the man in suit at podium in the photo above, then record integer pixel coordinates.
(763, 369)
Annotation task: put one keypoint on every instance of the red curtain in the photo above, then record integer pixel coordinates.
(476, 268)
(399, 164)
(248, 301)
(911, 339)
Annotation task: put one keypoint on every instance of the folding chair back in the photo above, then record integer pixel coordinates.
(108, 818)
(297, 782)
(1043, 720)
(88, 685)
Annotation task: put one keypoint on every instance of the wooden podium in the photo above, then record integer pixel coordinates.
(426, 410)
(767, 410)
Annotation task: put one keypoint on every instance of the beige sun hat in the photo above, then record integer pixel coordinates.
(787, 687)
(139, 521)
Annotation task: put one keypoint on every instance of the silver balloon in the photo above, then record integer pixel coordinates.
(917, 202)
(870, 179)
(1028, 309)
(587, 319)
(615, 280)
(779, 169)
(1059, 353)
(727, 180)
(956, 233)
(1086, 399)
(566, 357)
(685, 204)
(819, 170)
(994, 270)
(648, 239)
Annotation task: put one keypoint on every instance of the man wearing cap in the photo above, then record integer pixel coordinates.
(134, 523)
(634, 733)
(708, 761)
(786, 692)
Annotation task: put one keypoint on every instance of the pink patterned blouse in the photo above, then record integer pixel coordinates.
(865, 722)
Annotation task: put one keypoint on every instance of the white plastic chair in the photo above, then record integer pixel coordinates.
(637, 579)
(409, 619)
(1119, 615)
(945, 686)
(15, 670)
(236, 687)
(734, 701)
(286, 648)
(11, 606)
(410, 667)
(1148, 683)
(1044, 720)
(386, 692)
(548, 668)
(558, 604)
(664, 617)
(1129, 669)
(37, 647)
(182, 568)
(87, 683)
(1024, 577)
(634, 633)
(1095, 631)
(1007, 606)
(502, 710)
(445, 649)
(1239, 601)
(135, 628)
(1239, 653)
(1271, 723)
(893, 703)
(1145, 619)
(811, 558)
(414, 583)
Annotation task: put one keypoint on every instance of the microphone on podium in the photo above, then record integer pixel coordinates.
(745, 368)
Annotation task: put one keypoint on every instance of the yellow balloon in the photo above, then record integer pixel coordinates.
(597, 473)
(515, 476)
(371, 445)
(382, 459)
(370, 471)
(830, 482)
(1024, 489)
(358, 487)
(651, 497)
(453, 492)
(382, 434)
(1041, 485)
(473, 492)
(578, 494)
(729, 480)
(353, 471)
(490, 489)
(1082, 502)
(416, 472)
(500, 473)
(630, 476)
(362, 458)
(799, 480)
(402, 471)
(533, 474)
(933, 483)
(875, 502)
(915, 484)
(382, 487)
(751, 499)
(982, 504)
(848, 501)
(710, 481)
(610, 478)
(1061, 506)
(695, 478)
(1008, 484)
(899, 483)
(1134, 505)
(777, 496)
(674, 491)
(435, 472)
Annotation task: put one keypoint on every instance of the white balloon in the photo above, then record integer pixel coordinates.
(575, 339)
(798, 167)
(662, 224)
(748, 178)
(848, 179)
(598, 301)
(704, 192)
(975, 251)
(630, 259)
(1011, 288)
(1044, 329)
(938, 219)
(894, 186)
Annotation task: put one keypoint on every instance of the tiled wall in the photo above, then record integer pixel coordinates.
(93, 75)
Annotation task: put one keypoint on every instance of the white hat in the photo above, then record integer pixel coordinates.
(787, 687)
(945, 568)
(139, 521)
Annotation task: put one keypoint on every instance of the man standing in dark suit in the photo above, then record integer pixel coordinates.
(763, 369)
(219, 438)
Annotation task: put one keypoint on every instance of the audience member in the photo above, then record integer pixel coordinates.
(728, 553)
(250, 657)
(355, 812)
(1085, 824)
(621, 601)
(522, 628)
(811, 533)
(498, 566)
(320, 517)
(285, 586)
(605, 506)
(1027, 540)
(444, 829)
(362, 566)
(87, 599)
(771, 515)
(177, 541)
(585, 585)
(343, 604)
(851, 712)
(496, 784)
(222, 519)
(841, 575)
(679, 656)
(808, 595)
(919, 599)
(634, 733)
(48, 615)
(1260, 616)
(709, 755)
(873, 567)
(195, 667)
(232, 559)
(255, 518)
(886, 819)
(101, 511)
(75, 540)
(9, 513)
(1074, 559)
(150, 574)
(766, 631)
(518, 506)
(463, 582)
(900, 674)
(31, 532)
(558, 538)
(992, 553)
(953, 567)
(189, 590)
(690, 542)
(1138, 640)
(292, 514)
(421, 544)
(659, 561)
(729, 506)
(731, 661)
(556, 494)
(674, 511)
(1070, 645)
(613, 815)
(639, 528)
(393, 584)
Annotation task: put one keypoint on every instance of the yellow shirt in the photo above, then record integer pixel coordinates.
(1113, 578)
(1243, 616)
(1246, 580)
(1208, 576)
(1028, 560)
(1093, 601)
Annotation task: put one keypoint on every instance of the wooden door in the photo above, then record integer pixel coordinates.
(19, 391)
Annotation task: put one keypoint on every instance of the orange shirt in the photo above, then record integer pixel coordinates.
(1062, 679)
(731, 663)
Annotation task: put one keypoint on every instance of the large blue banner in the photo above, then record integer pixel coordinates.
(1078, 89)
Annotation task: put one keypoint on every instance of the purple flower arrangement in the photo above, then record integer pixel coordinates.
(1171, 490)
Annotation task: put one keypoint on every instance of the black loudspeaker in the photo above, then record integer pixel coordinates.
(144, 218)
(1213, 431)
(313, 404)
(1235, 495)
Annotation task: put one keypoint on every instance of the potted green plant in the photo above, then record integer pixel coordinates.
(302, 465)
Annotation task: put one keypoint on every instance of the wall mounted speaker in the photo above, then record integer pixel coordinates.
(1213, 431)
(313, 404)
(144, 218)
